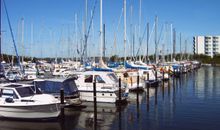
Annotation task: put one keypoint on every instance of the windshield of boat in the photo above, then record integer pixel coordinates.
(53, 87)
(25, 91)
(113, 77)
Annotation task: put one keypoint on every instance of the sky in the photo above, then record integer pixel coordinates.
(50, 29)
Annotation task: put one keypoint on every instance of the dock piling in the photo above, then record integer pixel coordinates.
(119, 90)
(95, 104)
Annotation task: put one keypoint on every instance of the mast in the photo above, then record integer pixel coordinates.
(125, 31)
(139, 28)
(76, 34)
(156, 19)
(104, 41)
(180, 47)
(185, 54)
(174, 44)
(85, 31)
(22, 38)
(148, 33)
(101, 40)
(12, 36)
(0, 32)
(171, 38)
(32, 40)
(132, 31)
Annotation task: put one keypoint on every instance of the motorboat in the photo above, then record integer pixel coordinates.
(19, 101)
(107, 86)
(53, 86)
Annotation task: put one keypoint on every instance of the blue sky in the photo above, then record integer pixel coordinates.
(54, 24)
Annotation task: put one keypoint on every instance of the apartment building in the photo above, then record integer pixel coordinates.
(208, 45)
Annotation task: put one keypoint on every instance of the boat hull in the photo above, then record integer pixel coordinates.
(105, 96)
(47, 111)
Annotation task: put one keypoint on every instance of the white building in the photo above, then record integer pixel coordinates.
(208, 45)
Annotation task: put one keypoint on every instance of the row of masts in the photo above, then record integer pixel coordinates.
(83, 44)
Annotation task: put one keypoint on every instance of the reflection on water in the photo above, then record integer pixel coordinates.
(189, 102)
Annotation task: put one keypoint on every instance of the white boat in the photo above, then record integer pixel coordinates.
(30, 70)
(14, 74)
(18, 101)
(107, 86)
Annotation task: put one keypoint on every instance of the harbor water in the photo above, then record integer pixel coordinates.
(190, 102)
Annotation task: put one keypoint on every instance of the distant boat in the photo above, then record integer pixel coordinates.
(18, 101)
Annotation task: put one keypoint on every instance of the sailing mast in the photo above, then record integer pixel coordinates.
(0, 32)
(148, 33)
(139, 29)
(101, 40)
(180, 47)
(156, 19)
(32, 41)
(174, 44)
(125, 31)
(85, 31)
(22, 38)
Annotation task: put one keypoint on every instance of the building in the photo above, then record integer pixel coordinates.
(207, 45)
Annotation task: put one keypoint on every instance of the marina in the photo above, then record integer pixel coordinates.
(85, 65)
(189, 102)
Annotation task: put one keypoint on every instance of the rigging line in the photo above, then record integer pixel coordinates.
(160, 34)
(141, 40)
(90, 23)
(116, 31)
(12, 35)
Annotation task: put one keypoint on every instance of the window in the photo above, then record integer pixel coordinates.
(113, 77)
(88, 78)
(25, 91)
(8, 93)
(99, 79)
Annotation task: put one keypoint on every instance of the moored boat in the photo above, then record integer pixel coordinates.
(19, 101)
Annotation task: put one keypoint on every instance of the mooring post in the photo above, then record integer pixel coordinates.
(156, 74)
(138, 80)
(95, 104)
(148, 77)
(163, 76)
(119, 90)
(62, 102)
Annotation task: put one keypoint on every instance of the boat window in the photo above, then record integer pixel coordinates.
(88, 78)
(49, 87)
(36, 89)
(25, 91)
(70, 87)
(113, 77)
(99, 79)
(8, 93)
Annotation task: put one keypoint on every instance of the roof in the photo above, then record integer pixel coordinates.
(14, 85)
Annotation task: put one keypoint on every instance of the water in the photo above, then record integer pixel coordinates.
(191, 102)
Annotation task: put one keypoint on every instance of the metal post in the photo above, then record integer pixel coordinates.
(148, 98)
(163, 76)
(95, 103)
(138, 80)
(119, 89)
(62, 102)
